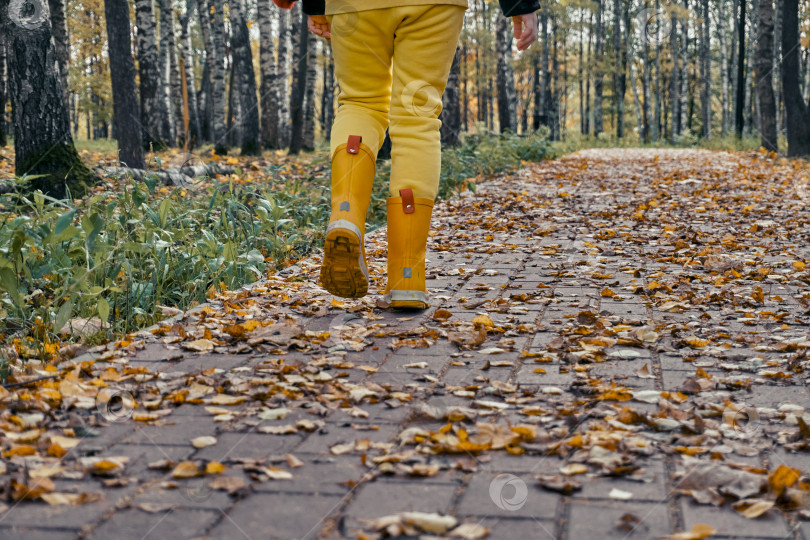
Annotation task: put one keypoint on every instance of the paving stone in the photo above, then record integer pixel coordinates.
(382, 498)
(507, 495)
(139, 525)
(275, 516)
(320, 475)
(731, 524)
(30, 533)
(590, 519)
(514, 529)
(175, 431)
(652, 488)
(235, 446)
(322, 440)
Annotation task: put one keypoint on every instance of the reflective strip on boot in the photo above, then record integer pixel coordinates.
(406, 296)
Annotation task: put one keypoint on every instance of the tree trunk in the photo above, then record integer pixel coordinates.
(282, 81)
(507, 99)
(764, 65)
(171, 71)
(658, 124)
(724, 68)
(619, 71)
(61, 39)
(151, 108)
(740, 103)
(675, 83)
(122, 75)
(451, 110)
(299, 90)
(545, 76)
(187, 71)
(684, 105)
(598, 126)
(328, 93)
(42, 141)
(3, 80)
(796, 109)
(706, 72)
(267, 67)
(308, 142)
(217, 27)
(644, 114)
(245, 80)
(205, 104)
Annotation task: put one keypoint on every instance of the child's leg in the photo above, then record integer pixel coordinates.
(424, 46)
(362, 45)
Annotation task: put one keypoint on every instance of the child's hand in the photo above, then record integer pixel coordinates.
(319, 25)
(525, 30)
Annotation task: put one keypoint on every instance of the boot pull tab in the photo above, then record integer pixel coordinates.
(353, 144)
(408, 204)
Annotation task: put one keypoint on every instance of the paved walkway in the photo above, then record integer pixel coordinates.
(616, 350)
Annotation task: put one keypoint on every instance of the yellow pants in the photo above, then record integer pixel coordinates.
(392, 65)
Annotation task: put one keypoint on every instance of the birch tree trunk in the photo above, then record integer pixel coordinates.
(598, 126)
(451, 111)
(267, 67)
(206, 99)
(658, 125)
(43, 144)
(3, 79)
(706, 72)
(684, 94)
(764, 66)
(169, 128)
(308, 140)
(122, 75)
(619, 69)
(724, 67)
(282, 81)
(246, 77)
(507, 100)
(151, 108)
(675, 82)
(187, 71)
(171, 68)
(217, 27)
(61, 39)
(740, 102)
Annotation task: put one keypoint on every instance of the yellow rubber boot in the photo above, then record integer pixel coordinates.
(344, 272)
(408, 226)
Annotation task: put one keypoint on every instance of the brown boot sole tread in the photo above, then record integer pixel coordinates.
(342, 271)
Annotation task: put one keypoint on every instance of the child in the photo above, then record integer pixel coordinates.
(392, 59)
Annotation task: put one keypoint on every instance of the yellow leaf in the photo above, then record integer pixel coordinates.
(698, 532)
(483, 320)
(185, 469)
(214, 467)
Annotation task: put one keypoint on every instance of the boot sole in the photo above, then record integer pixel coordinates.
(344, 272)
